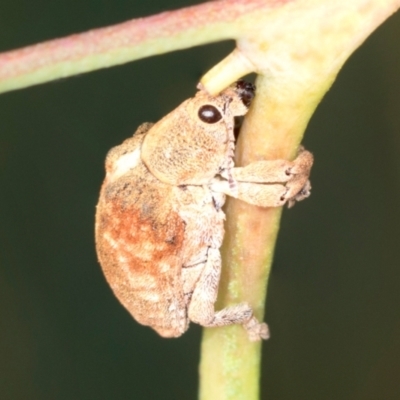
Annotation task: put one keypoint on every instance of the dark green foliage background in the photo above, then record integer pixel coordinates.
(334, 299)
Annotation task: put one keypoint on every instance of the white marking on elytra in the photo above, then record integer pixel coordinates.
(125, 163)
(113, 243)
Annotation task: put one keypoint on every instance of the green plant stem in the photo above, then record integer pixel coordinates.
(229, 361)
(293, 79)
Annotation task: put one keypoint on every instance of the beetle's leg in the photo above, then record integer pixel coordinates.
(264, 195)
(258, 194)
(270, 183)
(201, 307)
(274, 171)
(264, 171)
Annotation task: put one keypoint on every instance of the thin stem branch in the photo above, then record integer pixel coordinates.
(128, 41)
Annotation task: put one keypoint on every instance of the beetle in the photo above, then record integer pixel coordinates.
(159, 219)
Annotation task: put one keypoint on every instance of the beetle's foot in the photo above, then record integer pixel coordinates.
(256, 330)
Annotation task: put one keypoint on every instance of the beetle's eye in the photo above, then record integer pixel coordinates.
(209, 114)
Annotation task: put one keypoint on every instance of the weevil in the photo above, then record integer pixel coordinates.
(159, 219)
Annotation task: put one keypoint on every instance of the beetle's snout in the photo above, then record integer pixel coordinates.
(246, 91)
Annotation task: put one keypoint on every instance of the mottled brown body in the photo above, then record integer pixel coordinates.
(159, 223)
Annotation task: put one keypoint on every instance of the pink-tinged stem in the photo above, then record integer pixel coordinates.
(128, 41)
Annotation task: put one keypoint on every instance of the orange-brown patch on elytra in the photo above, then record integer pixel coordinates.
(140, 254)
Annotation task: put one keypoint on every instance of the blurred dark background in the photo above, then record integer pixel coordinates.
(333, 299)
